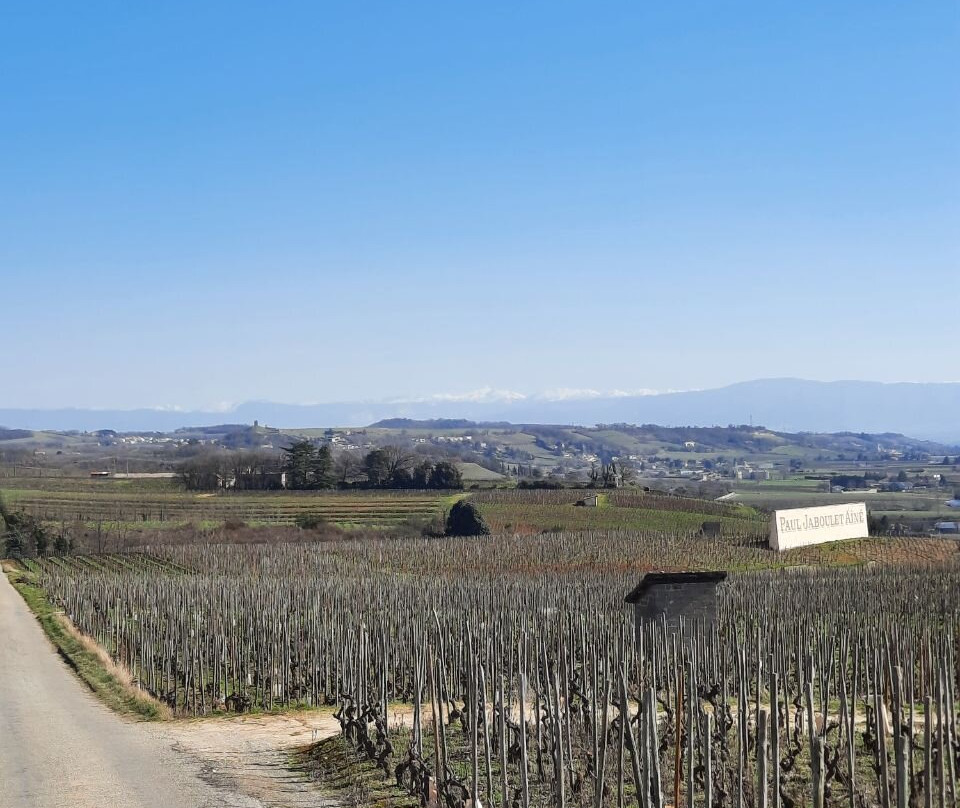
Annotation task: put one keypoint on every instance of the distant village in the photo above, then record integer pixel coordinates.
(715, 459)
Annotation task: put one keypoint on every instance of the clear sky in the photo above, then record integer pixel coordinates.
(211, 202)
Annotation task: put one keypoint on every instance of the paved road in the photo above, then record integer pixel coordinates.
(59, 746)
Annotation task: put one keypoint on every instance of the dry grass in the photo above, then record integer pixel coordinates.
(92, 664)
(117, 671)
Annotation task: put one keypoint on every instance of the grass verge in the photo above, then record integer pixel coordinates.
(352, 779)
(92, 664)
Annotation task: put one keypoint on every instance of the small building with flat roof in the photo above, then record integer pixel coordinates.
(711, 530)
(691, 596)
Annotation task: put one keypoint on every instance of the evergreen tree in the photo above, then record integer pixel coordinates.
(308, 466)
(322, 469)
(421, 474)
(401, 478)
(41, 541)
(465, 519)
(377, 466)
(297, 464)
(62, 544)
(22, 535)
(445, 475)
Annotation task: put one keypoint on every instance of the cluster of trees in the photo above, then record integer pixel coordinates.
(393, 467)
(610, 475)
(23, 536)
(308, 466)
(244, 471)
(856, 481)
(870, 478)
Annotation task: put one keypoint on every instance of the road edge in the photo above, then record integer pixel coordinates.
(82, 654)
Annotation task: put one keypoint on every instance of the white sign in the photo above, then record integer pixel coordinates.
(799, 527)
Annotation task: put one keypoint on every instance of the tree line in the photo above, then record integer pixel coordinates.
(307, 466)
(24, 536)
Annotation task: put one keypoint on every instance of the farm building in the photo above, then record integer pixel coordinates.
(675, 595)
(272, 481)
(711, 530)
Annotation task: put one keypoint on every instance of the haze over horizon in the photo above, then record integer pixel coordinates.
(481, 395)
(918, 410)
(213, 203)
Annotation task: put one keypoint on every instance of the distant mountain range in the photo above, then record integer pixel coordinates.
(921, 410)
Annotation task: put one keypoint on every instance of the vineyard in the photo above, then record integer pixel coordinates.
(507, 671)
(168, 506)
(537, 510)
(131, 504)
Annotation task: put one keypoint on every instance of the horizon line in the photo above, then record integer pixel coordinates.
(480, 396)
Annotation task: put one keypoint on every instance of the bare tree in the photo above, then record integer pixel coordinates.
(347, 468)
(398, 459)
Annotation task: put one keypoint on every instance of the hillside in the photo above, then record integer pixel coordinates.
(645, 439)
(789, 405)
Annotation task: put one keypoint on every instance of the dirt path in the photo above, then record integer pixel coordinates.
(250, 754)
(59, 746)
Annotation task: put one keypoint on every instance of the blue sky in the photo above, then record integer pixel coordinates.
(221, 201)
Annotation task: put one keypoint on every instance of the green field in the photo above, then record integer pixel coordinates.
(791, 483)
(927, 505)
(475, 473)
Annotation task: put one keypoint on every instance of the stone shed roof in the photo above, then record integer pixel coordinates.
(654, 578)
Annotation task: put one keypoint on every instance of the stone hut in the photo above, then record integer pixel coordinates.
(711, 530)
(672, 595)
